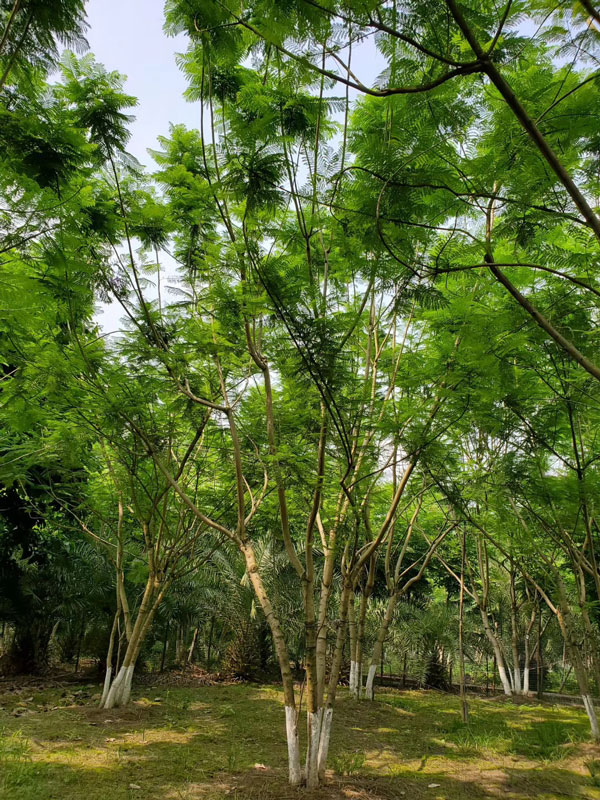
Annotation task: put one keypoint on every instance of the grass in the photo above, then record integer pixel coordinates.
(219, 742)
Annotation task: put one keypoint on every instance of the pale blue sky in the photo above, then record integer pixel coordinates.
(127, 36)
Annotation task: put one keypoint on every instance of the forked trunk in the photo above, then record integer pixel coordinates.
(499, 655)
(120, 690)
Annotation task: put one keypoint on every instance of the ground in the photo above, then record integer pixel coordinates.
(227, 741)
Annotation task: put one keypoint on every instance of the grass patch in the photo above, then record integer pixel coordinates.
(219, 742)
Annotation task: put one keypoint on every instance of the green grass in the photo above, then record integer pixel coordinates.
(228, 742)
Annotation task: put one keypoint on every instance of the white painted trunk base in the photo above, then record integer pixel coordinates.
(504, 679)
(313, 721)
(291, 731)
(591, 712)
(324, 741)
(120, 691)
(517, 680)
(526, 680)
(354, 678)
(369, 686)
(106, 688)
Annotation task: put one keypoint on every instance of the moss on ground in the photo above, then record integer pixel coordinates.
(217, 742)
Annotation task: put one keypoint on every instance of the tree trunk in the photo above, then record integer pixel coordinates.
(514, 638)
(526, 670)
(291, 716)
(109, 659)
(563, 615)
(327, 714)
(540, 660)
(378, 648)
(352, 628)
(461, 654)
(498, 654)
(209, 648)
(360, 637)
(190, 654)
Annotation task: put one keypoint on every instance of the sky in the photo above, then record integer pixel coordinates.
(128, 36)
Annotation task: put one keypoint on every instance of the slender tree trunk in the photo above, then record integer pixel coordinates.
(314, 712)
(563, 615)
(210, 638)
(16, 50)
(11, 19)
(190, 654)
(360, 638)
(514, 638)
(352, 628)
(461, 655)
(334, 678)
(378, 648)
(526, 664)
(321, 649)
(527, 659)
(109, 659)
(540, 660)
